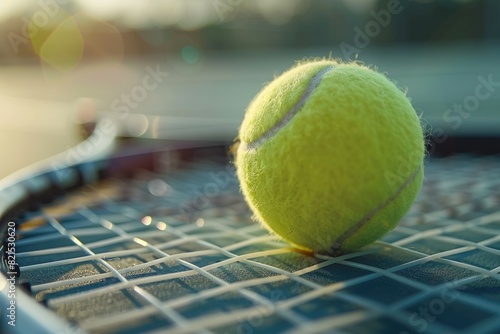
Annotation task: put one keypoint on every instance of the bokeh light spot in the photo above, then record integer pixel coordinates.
(147, 220)
(158, 187)
(200, 222)
(63, 49)
(137, 124)
(190, 54)
(161, 226)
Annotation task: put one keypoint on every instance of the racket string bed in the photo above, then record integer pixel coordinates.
(177, 252)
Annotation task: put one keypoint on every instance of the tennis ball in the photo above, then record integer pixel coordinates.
(330, 156)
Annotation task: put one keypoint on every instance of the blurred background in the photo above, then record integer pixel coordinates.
(187, 69)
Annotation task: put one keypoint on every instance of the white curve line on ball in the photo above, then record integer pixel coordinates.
(313, 83)
(336, 247)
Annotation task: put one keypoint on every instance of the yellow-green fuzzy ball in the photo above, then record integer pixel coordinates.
(330, 156)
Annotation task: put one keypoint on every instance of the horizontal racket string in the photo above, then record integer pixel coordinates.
(413, 236)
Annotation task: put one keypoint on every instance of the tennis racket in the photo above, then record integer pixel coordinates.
(142, 237)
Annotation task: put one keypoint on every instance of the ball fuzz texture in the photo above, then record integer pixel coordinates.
(330, 156)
